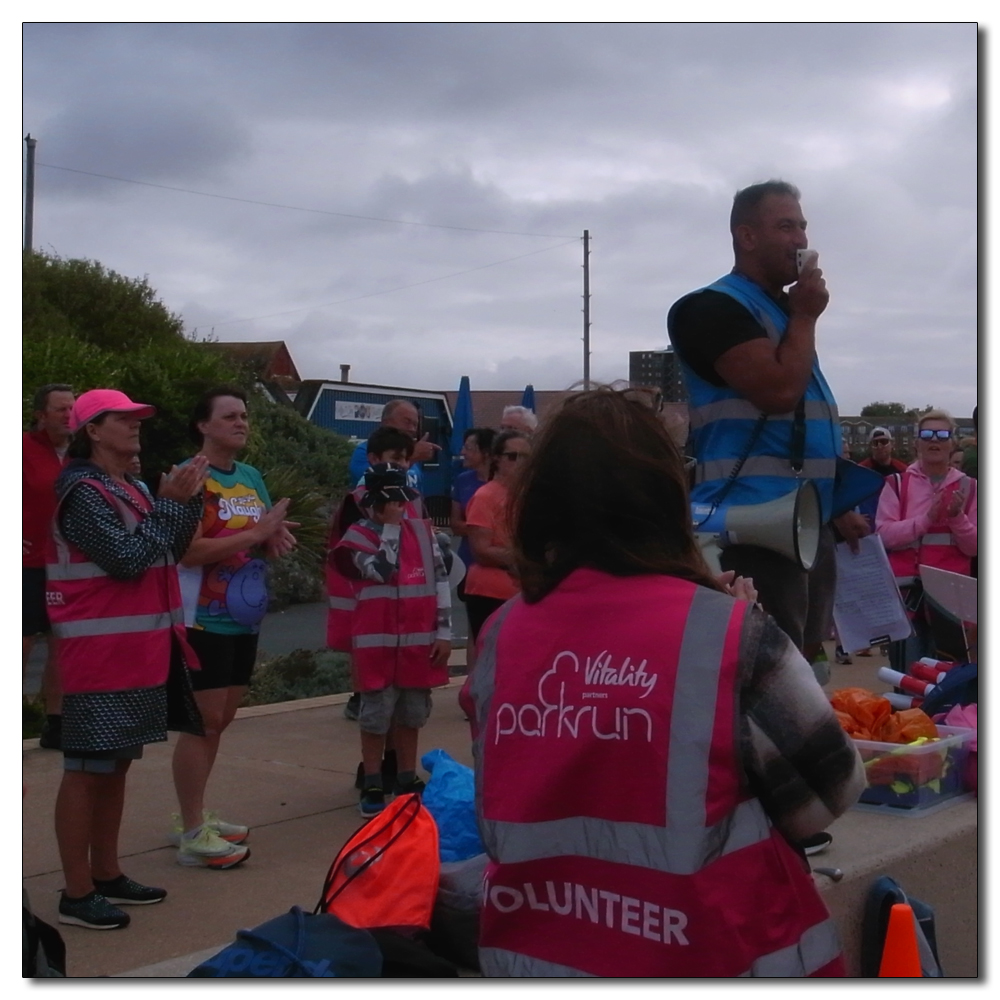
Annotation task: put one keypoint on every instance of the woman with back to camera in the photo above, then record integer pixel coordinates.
(648, 745)
(489, 581)
(114, 602)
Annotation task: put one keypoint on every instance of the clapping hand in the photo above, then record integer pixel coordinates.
(183, 482)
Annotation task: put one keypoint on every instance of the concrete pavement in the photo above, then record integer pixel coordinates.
(286, 770)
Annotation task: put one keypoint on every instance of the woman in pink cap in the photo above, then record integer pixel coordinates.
(114, 602)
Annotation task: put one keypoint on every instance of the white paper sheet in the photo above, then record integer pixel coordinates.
(954, 592)
(867, 608)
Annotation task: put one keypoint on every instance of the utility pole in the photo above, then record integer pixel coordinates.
(586, 310)
(29, 191)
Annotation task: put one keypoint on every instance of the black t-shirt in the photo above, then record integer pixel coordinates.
(709, 323)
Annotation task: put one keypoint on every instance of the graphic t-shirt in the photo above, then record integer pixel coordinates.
(232, 596)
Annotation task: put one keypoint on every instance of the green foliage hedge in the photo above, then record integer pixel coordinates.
(90, 327)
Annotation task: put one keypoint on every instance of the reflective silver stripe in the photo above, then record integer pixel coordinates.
(342, 603)
(498, 963)
(743, 409)
(390, 593)
(113, 626)
(937, 538)
(629, 843)
(817, 947)
(74, 571)
(382, 639)
(691, 723)
(766, 465)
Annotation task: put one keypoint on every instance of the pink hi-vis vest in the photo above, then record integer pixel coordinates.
(340, 591)
(622, 839)
(394, 625)
(936, 548)
(115, 635)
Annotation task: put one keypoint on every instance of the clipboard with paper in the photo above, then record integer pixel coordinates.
(867, 608)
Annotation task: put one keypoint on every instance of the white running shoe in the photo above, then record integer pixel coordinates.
(235, 833)
(209, 850)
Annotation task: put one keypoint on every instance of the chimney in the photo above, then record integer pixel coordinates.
(345, 371)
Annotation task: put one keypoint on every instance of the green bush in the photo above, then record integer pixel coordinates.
(302, 673)
(92, 328)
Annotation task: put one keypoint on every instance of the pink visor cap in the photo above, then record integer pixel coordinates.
(92, 404)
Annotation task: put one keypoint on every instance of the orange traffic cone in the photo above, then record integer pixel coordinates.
(900, 957)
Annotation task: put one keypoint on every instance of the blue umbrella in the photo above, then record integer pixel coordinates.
(462, 419)
(528, 398)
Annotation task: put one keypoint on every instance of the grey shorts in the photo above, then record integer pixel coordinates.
(800, 602)
(409, 707)
(99, 761)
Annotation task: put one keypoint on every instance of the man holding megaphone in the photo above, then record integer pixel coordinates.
(764, 423)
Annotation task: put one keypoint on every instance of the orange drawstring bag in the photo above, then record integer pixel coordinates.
(387, 874)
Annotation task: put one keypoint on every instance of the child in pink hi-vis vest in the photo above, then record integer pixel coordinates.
(400, 628)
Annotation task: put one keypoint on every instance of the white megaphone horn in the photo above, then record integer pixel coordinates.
(789, 526)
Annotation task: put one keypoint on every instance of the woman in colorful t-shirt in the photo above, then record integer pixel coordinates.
(223, 578)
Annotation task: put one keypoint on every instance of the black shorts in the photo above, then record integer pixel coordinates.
(226, 660)
(34, 615)
(478, 608)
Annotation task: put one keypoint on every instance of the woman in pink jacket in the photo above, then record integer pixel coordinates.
(927, 516)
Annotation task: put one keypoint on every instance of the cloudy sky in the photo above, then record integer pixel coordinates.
(410, 198)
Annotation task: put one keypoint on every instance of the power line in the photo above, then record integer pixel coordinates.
(299, 208)
(398, 288)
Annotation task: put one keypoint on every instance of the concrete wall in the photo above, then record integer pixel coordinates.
(934, 858)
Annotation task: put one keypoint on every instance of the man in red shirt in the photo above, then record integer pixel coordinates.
(44, 454)
(880, 454)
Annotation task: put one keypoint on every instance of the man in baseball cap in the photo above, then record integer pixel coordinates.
(880, 454)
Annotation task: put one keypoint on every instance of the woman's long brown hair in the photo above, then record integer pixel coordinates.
(604, 487)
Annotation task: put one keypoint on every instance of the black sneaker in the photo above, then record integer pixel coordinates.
(353, 707)
(816, 843)
(372, 802)
(51, 734)
(92, 911)
(123, 890)
(389, 768)
(416, 786)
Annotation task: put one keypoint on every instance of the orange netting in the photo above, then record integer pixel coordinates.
(868, 716)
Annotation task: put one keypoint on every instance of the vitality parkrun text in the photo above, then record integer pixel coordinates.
(557, 714)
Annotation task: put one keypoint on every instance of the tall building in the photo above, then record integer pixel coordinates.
(660, 369)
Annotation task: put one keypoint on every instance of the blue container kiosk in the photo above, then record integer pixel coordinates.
(354, 410)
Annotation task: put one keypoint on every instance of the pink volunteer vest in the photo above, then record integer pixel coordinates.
(114, 634)
(340, 591)
(393, 626)
(611, 798)
(936, 548)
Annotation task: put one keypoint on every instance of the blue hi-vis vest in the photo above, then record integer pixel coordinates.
(723, 422)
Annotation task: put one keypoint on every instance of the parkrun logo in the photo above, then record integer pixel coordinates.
(554, 716)
(597, 906)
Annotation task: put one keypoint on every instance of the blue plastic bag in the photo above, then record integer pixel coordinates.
(450, 796)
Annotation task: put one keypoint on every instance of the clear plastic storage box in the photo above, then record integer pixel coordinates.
(914, 778)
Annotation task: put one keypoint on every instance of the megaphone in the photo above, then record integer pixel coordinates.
(789, 526)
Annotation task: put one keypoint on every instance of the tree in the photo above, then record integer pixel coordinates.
(898, 411)
(91, 328)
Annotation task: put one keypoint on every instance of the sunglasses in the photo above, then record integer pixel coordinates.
(928, 435)
(513, 456)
